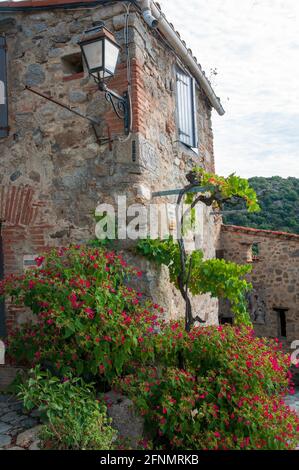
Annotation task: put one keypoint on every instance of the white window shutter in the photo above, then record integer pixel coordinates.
(186, 109)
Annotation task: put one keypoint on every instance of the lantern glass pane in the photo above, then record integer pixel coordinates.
(94, 55)
(111, 56)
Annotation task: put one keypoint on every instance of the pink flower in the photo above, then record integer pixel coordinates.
(108, 338)
(39, 260)
(90, 313)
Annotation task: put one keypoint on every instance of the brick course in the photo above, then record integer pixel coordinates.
(53, 172)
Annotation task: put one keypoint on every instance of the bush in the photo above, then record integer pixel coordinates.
(74, 418)
(210, 388)
(219, 278)
(87, 320)
(228, 396)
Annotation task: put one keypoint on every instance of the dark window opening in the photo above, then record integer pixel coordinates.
(219, 254)
(255, 250)
(282, 321)
(224, 320)
(72, 64)
(134, 157)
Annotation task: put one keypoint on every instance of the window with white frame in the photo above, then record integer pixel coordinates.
(186, 109)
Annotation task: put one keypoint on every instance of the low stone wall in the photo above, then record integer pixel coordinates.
(7, 376)
(274, 256)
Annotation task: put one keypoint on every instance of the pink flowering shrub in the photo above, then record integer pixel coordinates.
(229, 395)
(210, 388)
(88, 321)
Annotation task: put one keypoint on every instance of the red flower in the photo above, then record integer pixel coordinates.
(108, 338)
(90, 313)
(39, 260)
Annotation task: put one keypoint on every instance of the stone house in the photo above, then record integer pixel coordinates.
(274, 300)
(55, 169)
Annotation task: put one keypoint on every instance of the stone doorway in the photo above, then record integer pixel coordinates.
(281, 321)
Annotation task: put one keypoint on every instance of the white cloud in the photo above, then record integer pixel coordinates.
(254, 45)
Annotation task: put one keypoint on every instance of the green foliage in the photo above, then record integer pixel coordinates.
(279, 201)
(218, 277)
(229, 187)
(88, 321)
(75, 419)
(228, 396)
(210, 388)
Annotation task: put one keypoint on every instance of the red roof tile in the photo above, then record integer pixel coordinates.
(256, 231)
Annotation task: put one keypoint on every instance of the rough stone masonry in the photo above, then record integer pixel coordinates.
(274, 300)
(54, 172)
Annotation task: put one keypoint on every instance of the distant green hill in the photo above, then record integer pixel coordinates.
(279, 201)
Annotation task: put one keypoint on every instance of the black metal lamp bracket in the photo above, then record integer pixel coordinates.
(120, 104)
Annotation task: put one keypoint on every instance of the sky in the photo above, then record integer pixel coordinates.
(254, 45)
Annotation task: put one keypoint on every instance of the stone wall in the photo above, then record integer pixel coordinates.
(274, 258)
(53, 171)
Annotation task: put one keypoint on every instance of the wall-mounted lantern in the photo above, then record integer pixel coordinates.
(100, 52)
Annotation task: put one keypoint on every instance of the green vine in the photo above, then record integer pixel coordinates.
(190, 272)
(221, 189)
(218, 277)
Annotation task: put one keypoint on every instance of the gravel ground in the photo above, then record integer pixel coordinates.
(19, 430)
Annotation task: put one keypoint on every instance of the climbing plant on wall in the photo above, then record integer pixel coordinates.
(190, 272)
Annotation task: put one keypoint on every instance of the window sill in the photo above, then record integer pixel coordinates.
(74, 76)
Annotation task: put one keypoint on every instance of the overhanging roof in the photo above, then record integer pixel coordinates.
(191, 62)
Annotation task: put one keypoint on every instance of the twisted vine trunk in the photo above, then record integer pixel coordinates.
(184, 276)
